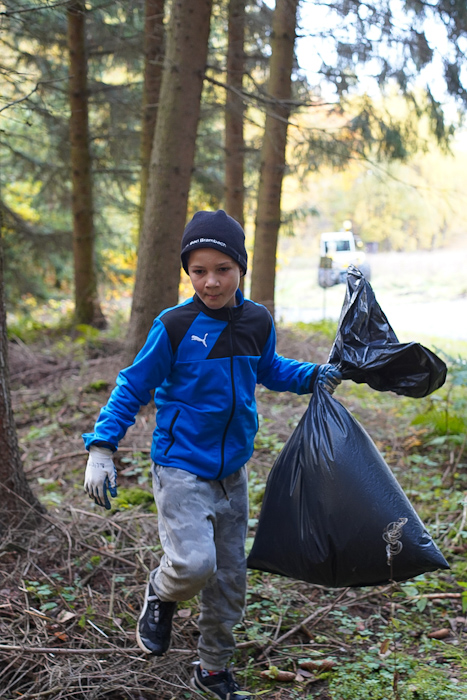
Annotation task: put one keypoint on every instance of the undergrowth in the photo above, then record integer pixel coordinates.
(70, 597)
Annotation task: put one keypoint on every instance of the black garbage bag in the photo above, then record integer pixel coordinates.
(332, 508)
(333, 513)
(366, 349)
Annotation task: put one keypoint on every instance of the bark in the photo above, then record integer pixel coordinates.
(153, 61)
(268, 212)
(87, 308)
(172, 158)
(19, 507)
(234, 109)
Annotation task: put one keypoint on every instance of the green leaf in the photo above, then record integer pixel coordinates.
(421, 604)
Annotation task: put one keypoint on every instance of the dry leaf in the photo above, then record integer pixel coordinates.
(61, 635)
(412, 441)
(439, 634)
(276, 675)
(320, 666)
(65, 616)
(306, 674)
(384, 647)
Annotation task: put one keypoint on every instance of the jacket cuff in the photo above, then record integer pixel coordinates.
(90, 440)
(103, 443)
(314, 374)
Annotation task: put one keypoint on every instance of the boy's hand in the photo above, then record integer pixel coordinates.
(329, 377)
(100, 475)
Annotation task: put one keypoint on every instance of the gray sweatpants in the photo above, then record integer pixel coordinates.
(202, 529)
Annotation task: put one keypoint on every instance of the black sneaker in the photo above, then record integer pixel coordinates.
(220, 685)
(154, 626)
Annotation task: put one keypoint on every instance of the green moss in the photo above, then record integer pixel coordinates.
(128, 498)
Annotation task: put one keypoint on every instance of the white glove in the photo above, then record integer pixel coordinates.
(100, 475)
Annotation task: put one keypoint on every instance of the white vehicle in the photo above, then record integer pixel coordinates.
(338, 250)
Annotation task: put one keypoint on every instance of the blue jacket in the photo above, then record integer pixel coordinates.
(204, 366)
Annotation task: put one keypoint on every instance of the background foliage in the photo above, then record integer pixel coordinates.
(337, 121)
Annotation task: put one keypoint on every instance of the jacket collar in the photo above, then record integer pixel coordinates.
(225, 313)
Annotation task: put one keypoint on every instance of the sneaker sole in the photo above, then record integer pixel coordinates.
(202, 689)
(144, 648)
(139, 641)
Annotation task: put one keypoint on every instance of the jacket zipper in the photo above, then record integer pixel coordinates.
(171, 432)
(224, 437)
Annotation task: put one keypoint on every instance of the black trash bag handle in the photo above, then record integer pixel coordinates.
(367, 350)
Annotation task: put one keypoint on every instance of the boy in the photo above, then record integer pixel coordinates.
(204, 358)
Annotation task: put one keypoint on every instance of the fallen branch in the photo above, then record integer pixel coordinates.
(317, 616)
(435, 596)
(61, 650)
(104, 650)
(80, 453)
(52, 460)
(44, 370)
(105, 553)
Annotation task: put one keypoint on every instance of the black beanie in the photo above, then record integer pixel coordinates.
(218, 230)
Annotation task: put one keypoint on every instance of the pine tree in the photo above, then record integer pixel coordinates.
(19, 507)
(153, 62)
(87, 307)
(158, 271)
(268, 213)
(234, 109)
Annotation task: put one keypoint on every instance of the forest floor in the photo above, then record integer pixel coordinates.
(71, 595)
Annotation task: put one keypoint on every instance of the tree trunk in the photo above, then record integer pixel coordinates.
(158, 270)
(87, 308)
(234, 108)
(19, 507)
(153, 61)
(268, 212)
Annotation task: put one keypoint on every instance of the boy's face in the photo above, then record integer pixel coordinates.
(215, 277)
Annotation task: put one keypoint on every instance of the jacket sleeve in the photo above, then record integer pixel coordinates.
(133, 389)
(282, 373)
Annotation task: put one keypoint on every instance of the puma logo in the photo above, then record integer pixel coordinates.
(200, 340)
